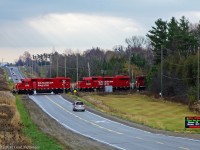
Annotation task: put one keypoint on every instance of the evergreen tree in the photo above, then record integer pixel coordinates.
(187, 40)
(158, 36)
(173, 36)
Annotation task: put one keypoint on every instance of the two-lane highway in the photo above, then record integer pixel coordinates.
(106, 131)
(15, 74)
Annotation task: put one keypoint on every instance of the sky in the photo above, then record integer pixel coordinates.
(41, 26)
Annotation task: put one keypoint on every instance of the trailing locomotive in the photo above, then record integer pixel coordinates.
(140, 82)
(42, 85)
(99, 83)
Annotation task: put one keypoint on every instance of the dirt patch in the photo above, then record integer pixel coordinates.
(69, 139)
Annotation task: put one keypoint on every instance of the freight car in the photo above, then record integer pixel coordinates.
(42, 85)
(99, 83)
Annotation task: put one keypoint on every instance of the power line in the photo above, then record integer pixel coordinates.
(178, 78)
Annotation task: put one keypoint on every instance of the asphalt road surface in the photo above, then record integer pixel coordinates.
(106, 131)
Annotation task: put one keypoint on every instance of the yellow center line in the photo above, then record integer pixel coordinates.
(82, 118)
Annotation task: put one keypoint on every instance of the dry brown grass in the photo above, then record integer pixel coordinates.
(7, 98)
(10, 126)
(4, 86)
(97, 103)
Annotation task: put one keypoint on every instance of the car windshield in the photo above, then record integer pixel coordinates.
(79, 103)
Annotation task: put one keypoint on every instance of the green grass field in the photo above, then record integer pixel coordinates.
(149, 111)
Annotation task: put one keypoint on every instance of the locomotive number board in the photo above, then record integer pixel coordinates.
(192, 122)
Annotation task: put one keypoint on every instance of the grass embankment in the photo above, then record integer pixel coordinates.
(155, 113)
(38, 139)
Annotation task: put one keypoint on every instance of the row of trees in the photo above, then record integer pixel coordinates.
(131, 60)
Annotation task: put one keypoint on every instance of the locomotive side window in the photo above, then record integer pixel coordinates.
(88, 81)
(26, 83)
(123, 78)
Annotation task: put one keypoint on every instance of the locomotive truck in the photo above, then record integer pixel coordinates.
(42, 85)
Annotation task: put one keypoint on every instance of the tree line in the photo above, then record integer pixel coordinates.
(178, 42)
(132, 60)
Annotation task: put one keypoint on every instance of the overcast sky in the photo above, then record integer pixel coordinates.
(39, 25)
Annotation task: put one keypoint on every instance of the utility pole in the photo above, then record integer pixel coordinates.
(50, 64)
(77, 69)
(65, 66)
(161, 72)
(130, 75)
(45, 64)
(129, 61)
(57, 66)
(89, 69)
(32, 66)
(198, 78)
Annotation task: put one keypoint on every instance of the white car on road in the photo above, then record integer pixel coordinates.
(78, 106)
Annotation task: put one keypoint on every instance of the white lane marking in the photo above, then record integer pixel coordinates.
(139, 138)
(92, 137)
(185, 148)
(82, 118)
(100, 121)
(159, 142)
(72, 128)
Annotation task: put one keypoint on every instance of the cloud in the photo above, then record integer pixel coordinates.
(192, 16)
(84, 30)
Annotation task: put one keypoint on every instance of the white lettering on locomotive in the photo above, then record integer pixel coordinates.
(44, 84)
(106, 83)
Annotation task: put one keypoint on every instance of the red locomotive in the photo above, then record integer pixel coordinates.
(42, 85)
(99, 82)
(140, 82)
(61, 84)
